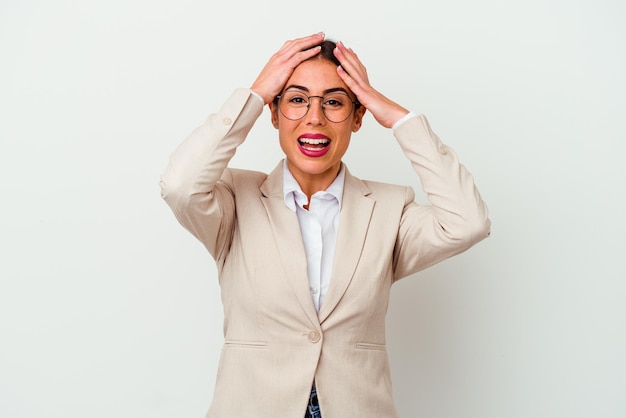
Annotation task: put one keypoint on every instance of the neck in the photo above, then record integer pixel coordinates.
(313, 183)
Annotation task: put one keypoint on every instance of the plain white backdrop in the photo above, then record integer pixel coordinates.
(108, 308)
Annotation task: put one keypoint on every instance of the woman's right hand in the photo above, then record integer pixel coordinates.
(279, 68)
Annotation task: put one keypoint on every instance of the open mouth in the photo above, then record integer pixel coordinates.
(314, 144)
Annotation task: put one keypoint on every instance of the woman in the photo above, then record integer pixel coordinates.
(307, 255)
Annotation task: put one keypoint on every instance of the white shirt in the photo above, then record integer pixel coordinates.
(318, 226)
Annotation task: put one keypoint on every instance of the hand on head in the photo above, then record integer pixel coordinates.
(354, 74)
(281, 65)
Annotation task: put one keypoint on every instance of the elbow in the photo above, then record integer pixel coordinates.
(467, 232)
(482, 229)
(169, 193)
(476, 231)
(175, 195)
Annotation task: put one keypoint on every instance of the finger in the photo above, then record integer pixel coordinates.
(305, 55)
(343, 74)
(312, 39)
(350, 62)
(298, 50)
(353, 85)
(296, 45)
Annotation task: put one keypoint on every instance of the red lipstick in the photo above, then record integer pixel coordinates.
(313, 144)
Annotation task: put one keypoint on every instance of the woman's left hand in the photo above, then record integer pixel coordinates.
(353, 73)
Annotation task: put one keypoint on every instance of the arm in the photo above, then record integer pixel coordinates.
(195, 184)
(457, 217)
(190, 184)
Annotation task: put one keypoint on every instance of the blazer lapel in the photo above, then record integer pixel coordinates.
(288, 238)
(354, 219)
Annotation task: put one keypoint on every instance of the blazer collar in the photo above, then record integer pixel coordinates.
(273, 184)
(354, 219)
(356, 211)
(288, 238)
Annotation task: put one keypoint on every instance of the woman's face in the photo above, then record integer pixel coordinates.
(313, 145)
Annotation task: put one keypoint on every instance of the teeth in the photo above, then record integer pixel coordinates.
(313, 141)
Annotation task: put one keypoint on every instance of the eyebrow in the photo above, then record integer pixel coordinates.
(331, 90)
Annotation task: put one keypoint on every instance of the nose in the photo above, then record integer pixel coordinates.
(315, 115)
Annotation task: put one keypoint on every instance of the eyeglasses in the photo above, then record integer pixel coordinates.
(336, 106)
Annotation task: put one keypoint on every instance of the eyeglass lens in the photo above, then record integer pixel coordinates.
(337, 106)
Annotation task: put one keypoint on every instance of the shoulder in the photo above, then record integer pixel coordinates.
(394, 192)
(380, 187)
(386, 192)
(242, 178)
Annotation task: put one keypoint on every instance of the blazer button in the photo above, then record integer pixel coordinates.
(226, 121)
(314, 336)
(443, 150)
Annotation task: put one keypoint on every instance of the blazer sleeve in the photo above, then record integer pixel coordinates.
(195, 183)
(456, 218)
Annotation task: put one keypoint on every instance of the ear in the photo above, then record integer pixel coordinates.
(358, 118)
(274, 114)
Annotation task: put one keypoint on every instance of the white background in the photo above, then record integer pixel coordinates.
(108, 308)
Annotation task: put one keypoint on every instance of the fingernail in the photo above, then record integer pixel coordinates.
(320, 35)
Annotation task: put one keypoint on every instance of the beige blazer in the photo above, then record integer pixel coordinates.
(275, 344)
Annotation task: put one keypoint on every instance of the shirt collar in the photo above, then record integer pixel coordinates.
(292, 190)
